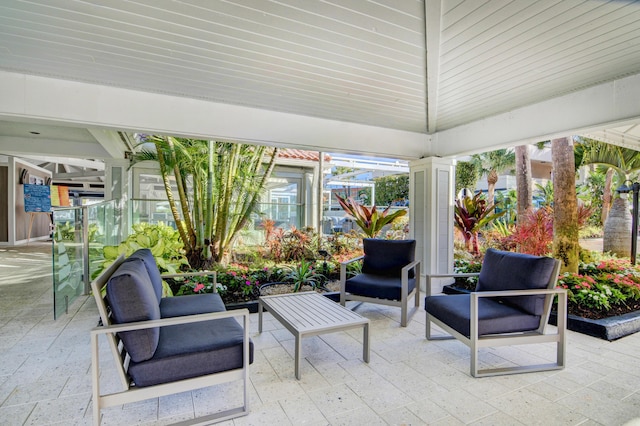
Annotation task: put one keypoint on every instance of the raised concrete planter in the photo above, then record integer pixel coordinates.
(611, 328)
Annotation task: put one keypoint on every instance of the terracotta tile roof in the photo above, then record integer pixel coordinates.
(298, 154)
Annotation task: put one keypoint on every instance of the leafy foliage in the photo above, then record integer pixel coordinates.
(534, 232)
(303, 274)
(471, 215)
(371, 221)
(392, 189)
(467, 175)
(289, 245)
(163, 241)
(234, 175)
(603, 284)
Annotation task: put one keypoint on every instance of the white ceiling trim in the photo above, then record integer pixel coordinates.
(579, 112)
(110, 141)
(433, 23)
(21, 147)
(77, 162)
(41, 98)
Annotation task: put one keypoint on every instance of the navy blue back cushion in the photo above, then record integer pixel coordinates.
(131, 298)
(152, 269)
(387, 257)
(502, 270)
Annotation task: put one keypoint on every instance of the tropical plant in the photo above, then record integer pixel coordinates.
(163, 241)
(303, 274)
(624, 162)
(471, 215)
(591, 193)
(492, 163)
(219, 185)
(534, 232)
(546, 193)
(371, 221)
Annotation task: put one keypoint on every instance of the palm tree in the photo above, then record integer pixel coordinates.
(565, 201)
(219, 185)
(622, 162)
(524, 181)
(492, 163)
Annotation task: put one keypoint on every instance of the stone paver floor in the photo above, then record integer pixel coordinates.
(45, 377)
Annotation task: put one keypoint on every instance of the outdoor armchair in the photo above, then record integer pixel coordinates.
(390, 276)
(510, 306)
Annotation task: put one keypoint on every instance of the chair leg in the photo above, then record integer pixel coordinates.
(474, 359)
(403, 314)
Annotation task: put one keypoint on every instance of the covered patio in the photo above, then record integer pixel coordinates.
(45, 377)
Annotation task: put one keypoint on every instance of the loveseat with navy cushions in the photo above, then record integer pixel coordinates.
(166, 345)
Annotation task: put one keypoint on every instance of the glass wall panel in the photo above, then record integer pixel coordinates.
(68, 260)
(78, 240)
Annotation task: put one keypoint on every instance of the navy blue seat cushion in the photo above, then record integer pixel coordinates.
(379, 286)
(387, 257)
(132, 298)
(192, 350)
(152, 269)
(191, 304)
(494, 317)
(503, 270)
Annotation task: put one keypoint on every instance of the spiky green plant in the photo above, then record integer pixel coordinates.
(371, 221)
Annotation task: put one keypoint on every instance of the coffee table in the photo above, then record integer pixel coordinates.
(309, 314)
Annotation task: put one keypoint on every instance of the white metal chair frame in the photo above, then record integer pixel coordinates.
(133, 394)
(405, 295)
(475, 342)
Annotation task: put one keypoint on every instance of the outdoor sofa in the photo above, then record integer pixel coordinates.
(165, 345)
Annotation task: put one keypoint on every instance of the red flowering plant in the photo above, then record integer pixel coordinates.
(604, 285)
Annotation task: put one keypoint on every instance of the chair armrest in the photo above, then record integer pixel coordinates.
(405, 269)
(186, 319)
(461, 274)
(343, 271)
(562, 305)
(346, 262)
(457, 275)
(528, 292)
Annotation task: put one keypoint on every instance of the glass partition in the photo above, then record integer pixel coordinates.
(80, 233)
(68, 259)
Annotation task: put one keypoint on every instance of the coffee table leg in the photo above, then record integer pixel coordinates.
(365, 347)
(298, 354)
(259, 316)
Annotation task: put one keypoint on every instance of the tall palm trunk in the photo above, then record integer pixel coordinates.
(565, 201)
(492, 179)
(607, 196)
(524, 182)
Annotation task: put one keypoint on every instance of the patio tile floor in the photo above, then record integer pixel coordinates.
(45, 372)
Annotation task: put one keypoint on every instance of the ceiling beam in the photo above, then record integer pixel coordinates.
(585, 111)
(65, 162)
(28, 97)
(42, 146)
(110, 141)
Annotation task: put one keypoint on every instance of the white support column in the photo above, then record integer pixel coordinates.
(119, 186)
(431, 197)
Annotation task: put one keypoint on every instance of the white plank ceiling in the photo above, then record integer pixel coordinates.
(420, 66)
